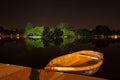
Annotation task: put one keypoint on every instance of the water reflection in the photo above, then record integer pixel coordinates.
(41, 43)
(61, 42)
(35, 58)
(64, 42)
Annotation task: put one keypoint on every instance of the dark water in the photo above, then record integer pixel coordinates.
(36, 53)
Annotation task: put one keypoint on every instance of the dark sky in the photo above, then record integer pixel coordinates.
(78, 13)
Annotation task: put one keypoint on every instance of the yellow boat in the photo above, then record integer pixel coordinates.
(78, 61)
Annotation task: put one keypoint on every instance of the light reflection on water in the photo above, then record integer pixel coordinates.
(38, 54)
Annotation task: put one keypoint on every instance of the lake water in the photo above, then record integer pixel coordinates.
(36, 53)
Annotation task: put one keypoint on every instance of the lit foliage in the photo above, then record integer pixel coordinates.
(38, 31)
(64, 27)
(28, 28)
(62, 30)
(68, 33)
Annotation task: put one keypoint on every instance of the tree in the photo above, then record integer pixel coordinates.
(29, 27)
(38, 30)
(83, 32)
(63, 25)
(34, 31)
(101, 30)
(68, 33)
(65, 28)
(1, 29)
(57, 33)
(46, 32)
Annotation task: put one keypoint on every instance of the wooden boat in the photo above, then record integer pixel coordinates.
(84, 60)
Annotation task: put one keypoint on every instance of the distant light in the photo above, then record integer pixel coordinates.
(18, 36)
(115, 36)
(11, 36)
(0, 36)
(90, 29)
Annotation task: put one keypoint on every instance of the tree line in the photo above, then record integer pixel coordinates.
(62, 30)
(8, 31)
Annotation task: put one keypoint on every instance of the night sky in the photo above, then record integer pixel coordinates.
(78, 13)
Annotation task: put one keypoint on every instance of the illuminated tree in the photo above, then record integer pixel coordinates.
(62, 30)
(64, 27)
(57, 33)
(38, 31)
(46, 32)
(51, 32)
(68, 33)
(28, 28)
